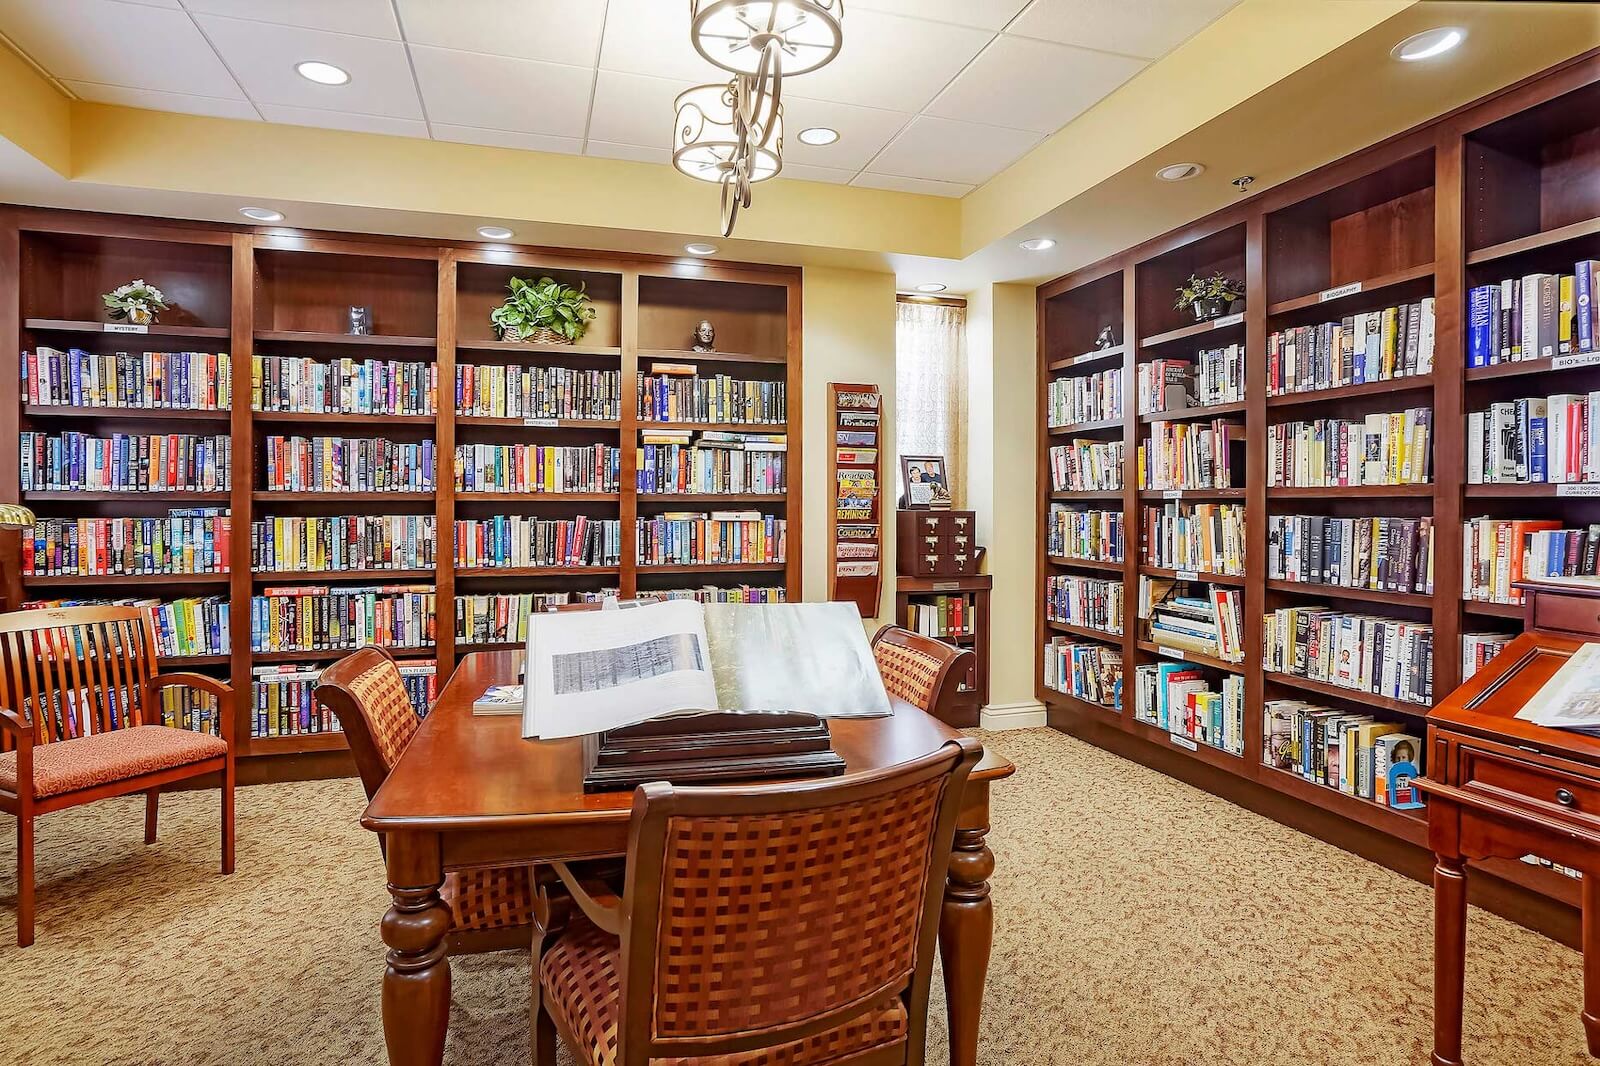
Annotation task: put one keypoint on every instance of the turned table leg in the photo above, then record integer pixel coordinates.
(416, 980)
(966, 925)
(1591, 962)
(1449, 957)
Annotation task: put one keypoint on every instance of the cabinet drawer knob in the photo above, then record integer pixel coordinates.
(1565, 797)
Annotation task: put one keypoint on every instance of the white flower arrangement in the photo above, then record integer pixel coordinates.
(137, 301)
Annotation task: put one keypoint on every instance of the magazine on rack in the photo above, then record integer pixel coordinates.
(589, 671)
(1571, 698)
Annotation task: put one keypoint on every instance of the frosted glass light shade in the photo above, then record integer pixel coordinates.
(705, 140)
(735, 34)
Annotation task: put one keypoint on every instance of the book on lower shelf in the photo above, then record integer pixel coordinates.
(163, 381)
(1095, 536)
(1193, 616)
(1499, 552)
(1384, 448)
(1093, 603)
(1181, 699)
(125, 462)
(1357, 754)
(1089, 671)
(942, 618)
(1387, 657)
(1395, 342)
(1535, 441)
(1195, 536)
(1371, 553)
(187, 542)
(182, 707)
(318, 618)
(1536, 316)
(284, 704)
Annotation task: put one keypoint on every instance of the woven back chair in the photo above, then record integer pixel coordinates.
(80, 720)
(492, 907)
(790, 923)
(924, 672)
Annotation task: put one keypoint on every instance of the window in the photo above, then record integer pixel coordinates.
(930, 406)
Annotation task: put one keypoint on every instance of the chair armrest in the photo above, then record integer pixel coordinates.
(22, 735)
(595, 898)
(188, 679)
(19, 727)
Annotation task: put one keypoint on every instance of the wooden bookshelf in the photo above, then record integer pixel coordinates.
(1496, 190)
(252, 292)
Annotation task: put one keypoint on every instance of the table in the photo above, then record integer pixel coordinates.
(470, 791)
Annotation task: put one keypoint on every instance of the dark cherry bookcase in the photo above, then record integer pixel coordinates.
(267, 291)
(1500, 188)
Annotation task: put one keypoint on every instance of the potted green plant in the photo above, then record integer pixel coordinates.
(138, 301)
(1210, 296)
(545, 311)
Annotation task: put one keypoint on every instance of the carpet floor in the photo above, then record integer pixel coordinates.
(1139, 922)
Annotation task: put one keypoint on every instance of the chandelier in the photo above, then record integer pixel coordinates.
(732, 133)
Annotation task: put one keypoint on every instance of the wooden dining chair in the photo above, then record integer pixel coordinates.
(80, 720)
(492, 907)
(924, 672)
(790, 923)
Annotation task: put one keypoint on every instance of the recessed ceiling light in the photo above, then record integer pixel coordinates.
(1429, 43)
(494, 233)
(818, 135)
(1181, 171)
(322, 73)
(699, 248)
(261, 214)
(1038, 244)
(931, 287)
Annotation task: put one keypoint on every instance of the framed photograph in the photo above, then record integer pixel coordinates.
(925, 480)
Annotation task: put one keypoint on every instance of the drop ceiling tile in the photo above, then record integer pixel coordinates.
(364, 18)
(530, 142)
(500, 93)
(1148, 28)
(652, 37)
(343, 120)
(921, 185)
(984, 14)
(801, 172)
(88, 40)
(155, 100)
(263, 57)
(555, 31)
(632, 152)
(1033, 85)
(863, 131)
(895, 63)
(634, 109)
(961, 152)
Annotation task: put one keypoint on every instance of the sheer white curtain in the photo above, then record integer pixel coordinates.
(930, 407)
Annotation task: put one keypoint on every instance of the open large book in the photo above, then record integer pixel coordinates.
(593, 670)
(1571, 698)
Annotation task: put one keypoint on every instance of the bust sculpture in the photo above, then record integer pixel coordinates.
(705, 336)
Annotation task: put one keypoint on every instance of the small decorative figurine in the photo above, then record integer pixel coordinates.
(705, 336)
(360, 322)
(1105, 340)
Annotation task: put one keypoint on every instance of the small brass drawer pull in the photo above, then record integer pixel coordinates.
(1565, 797)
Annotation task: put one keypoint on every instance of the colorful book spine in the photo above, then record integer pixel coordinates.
(185, 542)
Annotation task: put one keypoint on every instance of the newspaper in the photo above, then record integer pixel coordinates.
(593, 670)
(1571, 698)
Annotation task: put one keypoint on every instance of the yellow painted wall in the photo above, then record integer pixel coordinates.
(849, 336)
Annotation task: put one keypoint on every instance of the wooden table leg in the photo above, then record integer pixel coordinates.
(1591, 962)
(1449, 957)
(416, 981)
(966, 925)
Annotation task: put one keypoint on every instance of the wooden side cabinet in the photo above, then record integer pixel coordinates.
(956, 610)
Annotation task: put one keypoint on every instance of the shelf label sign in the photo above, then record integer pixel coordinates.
(1337, 291)
(1172, 494)
(946, 586)
(1187, 575)
(1171, 653)
(125, 327)
(544, 423)
(1591, 489)
(1228, 320)
(1568, 362)
(1183, 742)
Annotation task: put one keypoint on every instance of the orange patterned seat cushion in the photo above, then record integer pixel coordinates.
(498, 897)
(580, 976)
(101, 758)
(908, 673)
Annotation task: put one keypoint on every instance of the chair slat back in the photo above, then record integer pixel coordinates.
(924, 672)
(764, 914)
(76, 671)
(367, 694)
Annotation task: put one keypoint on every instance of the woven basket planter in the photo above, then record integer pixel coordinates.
(542, 335)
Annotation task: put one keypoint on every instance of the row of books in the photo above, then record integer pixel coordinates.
(342, 386)
(1395, 342)
(185, 627)
(1089, 671)
(189, 708)
(186, 541)
(502, 617)
(1195, 536)
(1192, 455)
(1539, 440)
(324, 618)
(342, 542)
(122, 462)
(708, 469)
(538, 468)
(1536, 316)
(1377, 554)
(715, 537)
(1499, 552)
(1090, 602)
(1385, 448)
(173, 381)
(1210, 623)
(943, 618)
(721, 398)
(1093, 535)
(1216, 376)
(347, 464)
(720, 594)
(1384, 656)
(523, 540)
(1090, 398)
(497, 391)
(1086, 465)
(1179, 698)
(1355, 753)
(284, 698)
(1478, 648)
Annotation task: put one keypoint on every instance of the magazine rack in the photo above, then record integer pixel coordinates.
(855, 526)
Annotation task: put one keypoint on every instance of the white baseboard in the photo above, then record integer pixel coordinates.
(1028, 714)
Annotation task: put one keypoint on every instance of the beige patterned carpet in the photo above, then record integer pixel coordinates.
(1139, 923)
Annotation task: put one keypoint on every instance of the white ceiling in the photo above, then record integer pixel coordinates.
(932, 96)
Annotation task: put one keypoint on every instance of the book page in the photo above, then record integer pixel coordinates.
(1571, 698)
(594, 670)
(810, 657)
